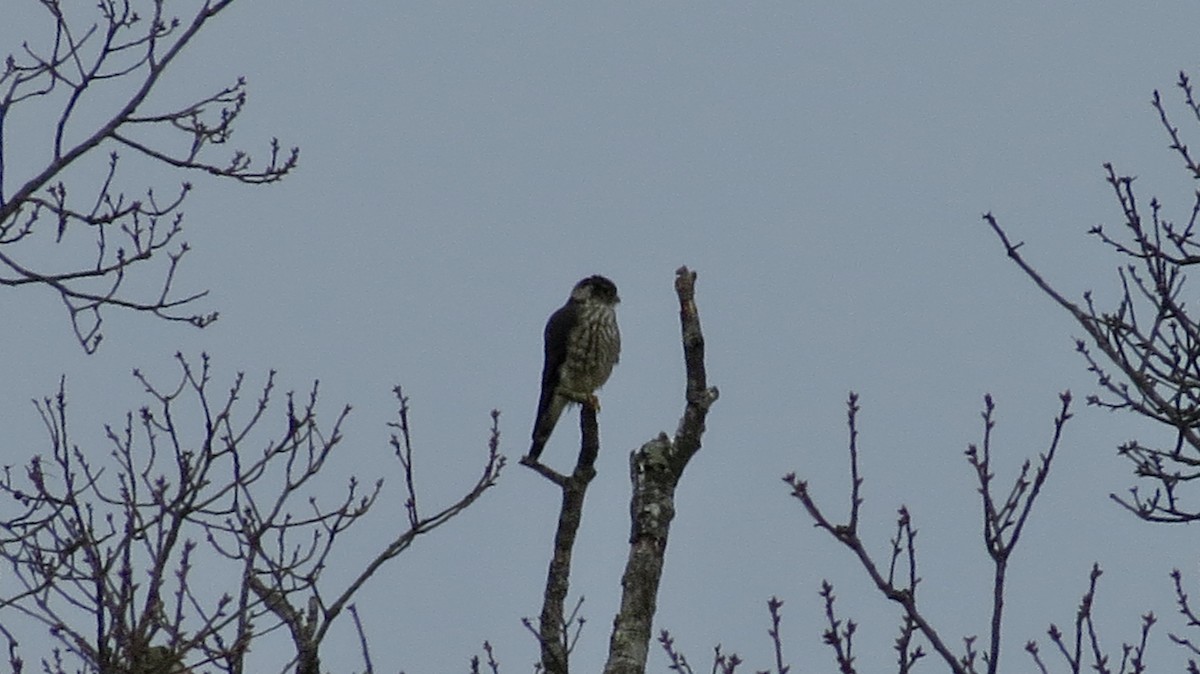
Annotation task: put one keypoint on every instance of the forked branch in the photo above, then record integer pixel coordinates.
(1003, 521)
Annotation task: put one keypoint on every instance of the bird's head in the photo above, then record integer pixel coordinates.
(595, 289)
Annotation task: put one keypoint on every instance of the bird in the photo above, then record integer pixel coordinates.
(582, 344)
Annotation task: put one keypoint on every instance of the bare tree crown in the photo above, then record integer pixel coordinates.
(111, 249)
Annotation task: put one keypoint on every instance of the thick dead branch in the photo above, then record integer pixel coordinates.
(655, 470)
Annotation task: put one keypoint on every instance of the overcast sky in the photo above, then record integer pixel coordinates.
(822, 166)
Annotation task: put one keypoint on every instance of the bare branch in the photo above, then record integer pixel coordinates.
(1082, 651)
(118, 541)
(552, 632)
(1145, 351)
(838, 637)
(655, 470)
(1003, 521)
(135, 241)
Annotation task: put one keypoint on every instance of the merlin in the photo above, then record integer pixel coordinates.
(582, 346)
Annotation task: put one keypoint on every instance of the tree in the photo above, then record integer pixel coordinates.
(102, 553)
(105, 562)
(110, 247)
(1145, 354)
(103, 556)
(105, 553)
(896, 578)
(1145, 351)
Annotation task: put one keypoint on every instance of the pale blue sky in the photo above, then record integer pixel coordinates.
(822, 166)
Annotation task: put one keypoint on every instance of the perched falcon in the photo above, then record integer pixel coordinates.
(582, 346)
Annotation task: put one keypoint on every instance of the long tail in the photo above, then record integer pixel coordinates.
(549, 410)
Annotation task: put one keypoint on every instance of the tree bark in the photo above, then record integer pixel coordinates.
(655, 470)
(552, 628)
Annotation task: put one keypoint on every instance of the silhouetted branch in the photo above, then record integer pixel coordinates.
(1191, 621)
(1082, 650)
(906, 652)
(838, 637)
(362, 639)
(493, 665)
(774, 605)
(552, 632)
(102, 553)
(1145, 351)
(679, 662)
(104, 241)
(1003, 521)
(727, 664)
